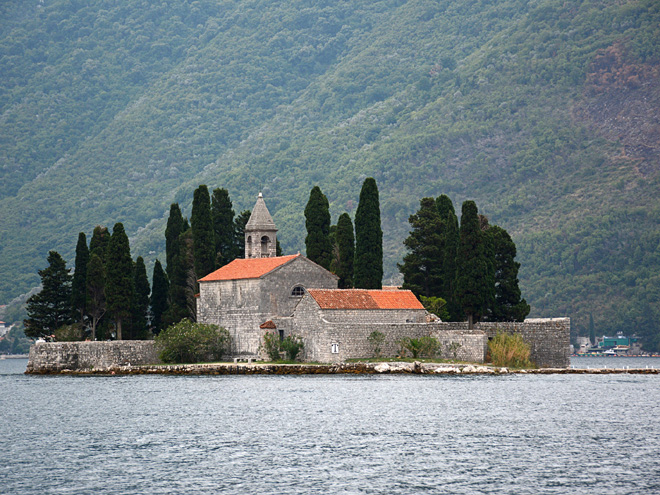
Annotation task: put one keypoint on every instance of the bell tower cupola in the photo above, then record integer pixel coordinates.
(260, 232)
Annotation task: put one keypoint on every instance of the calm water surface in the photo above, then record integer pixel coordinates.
(556, 434)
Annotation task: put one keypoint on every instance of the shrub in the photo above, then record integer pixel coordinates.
(270, 344)
(376, 340)
(436, 305)
(292, 345)
(69, 333)
(422, 347)
(273, 346)
(509, 350)
(188, 342)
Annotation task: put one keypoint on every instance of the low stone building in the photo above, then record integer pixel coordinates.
(293, 295)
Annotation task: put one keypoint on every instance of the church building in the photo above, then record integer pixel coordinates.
(293, 295)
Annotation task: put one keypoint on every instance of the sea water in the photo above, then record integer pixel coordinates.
(341, 434)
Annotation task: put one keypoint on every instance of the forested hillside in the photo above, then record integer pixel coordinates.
(545, 113)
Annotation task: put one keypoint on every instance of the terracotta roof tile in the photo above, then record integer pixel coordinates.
(364, 299)
(247, 268)
(268, 325)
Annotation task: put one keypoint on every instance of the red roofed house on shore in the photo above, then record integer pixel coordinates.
(291, 295)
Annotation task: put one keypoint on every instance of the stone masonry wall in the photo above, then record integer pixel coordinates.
(54, 357)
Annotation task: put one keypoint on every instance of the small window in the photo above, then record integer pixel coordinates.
(335, 348)
(298, 291)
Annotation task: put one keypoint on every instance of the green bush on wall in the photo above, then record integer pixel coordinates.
(188, 342)
(509, 350)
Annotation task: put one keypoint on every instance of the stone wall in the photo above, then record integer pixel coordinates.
(241, 306)
(548, 338)
(54, 357)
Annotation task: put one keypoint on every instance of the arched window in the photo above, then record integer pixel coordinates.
(265, 241)
(298, 291)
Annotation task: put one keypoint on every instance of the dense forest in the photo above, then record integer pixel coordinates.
(545, 113)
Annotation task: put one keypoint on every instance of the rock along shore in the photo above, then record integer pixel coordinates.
(330, 369)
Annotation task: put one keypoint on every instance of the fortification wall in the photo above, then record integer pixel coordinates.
(54, 357)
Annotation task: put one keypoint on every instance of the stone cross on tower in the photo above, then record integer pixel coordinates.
(260, 232)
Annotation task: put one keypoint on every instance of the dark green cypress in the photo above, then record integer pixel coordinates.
(50, 308)
(422, 266)
(473, 282)
(172, 232)
(509, 305)
(345, 241)
(159, 297)
(224, 229)
(119, 285)
(95, 286)
(449, 246)
(317, 221)
(140, 306)
(182, 281)
(78, 286)
(241, 220)
(202, 233)
(99, 242)
(368, 267)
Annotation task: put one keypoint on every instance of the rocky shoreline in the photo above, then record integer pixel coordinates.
(332, 369)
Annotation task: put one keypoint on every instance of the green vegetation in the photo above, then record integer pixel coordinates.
(420, 347)
(188, 342)
(318, 246)
(542, 112)
(436, 306)
(51, 308)
(343, 261)
(368, 266)
(376, 339)
(509, 350)
(273, 346)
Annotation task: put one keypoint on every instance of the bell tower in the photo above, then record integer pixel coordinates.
(260, 232)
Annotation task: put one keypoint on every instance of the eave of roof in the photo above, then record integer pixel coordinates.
(248, 268)
(364, 299)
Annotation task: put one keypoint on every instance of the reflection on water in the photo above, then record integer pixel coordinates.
(330, 434)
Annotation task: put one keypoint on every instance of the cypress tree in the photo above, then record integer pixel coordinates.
(172, 232)
(95, 286)
(345, 242)
(240, 223)
(422, 266)
(99, 242)
(140, 306)
(368, 271)
(159, 297)
(78, 286)
(50, 308)
(473, 284)
(224, 229)
(119, 285)
(202, 232)
(182, 282)
(317, 221)
(508, 306)
(449, 246)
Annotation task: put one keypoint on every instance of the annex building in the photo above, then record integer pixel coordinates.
(293, 295)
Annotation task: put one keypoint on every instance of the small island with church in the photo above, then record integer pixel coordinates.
(263, 298)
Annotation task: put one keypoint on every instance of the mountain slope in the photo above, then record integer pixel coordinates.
(546, 114)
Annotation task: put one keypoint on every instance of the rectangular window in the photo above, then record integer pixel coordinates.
(335, 348)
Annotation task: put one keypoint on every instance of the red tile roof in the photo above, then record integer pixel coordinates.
(268, 325)
(364, 299)
(247, 268)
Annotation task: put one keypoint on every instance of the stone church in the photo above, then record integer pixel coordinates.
(293, 295)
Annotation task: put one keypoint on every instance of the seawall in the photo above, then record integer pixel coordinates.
(56, 357)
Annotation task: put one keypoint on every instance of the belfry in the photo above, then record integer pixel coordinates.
(260, 232)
